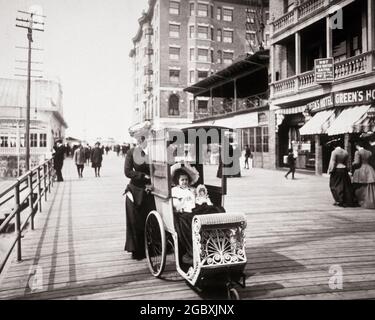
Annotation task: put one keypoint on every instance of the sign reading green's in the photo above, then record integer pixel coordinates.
(324, 70)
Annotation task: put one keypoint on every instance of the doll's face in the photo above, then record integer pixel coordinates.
(183, 181)
(202, 193)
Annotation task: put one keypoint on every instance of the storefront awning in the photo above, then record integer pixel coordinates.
(319, 123)
(346, 120)
(366, 123)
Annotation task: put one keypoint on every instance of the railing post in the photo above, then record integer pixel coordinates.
(30, 181)
(45, 172)
(18, 220)
(40, 190)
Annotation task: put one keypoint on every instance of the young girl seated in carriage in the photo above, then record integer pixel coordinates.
(188, 202)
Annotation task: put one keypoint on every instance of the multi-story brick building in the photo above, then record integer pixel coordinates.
(315, 104)
(181, 42)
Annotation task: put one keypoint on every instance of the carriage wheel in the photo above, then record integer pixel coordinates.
(233, 294)
(156, 244)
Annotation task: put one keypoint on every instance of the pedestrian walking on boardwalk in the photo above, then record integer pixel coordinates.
(138, 200)
(79, 158)
(363, 177)
(88, 154)
(339, 181)
(58, 160)
(248, 156)
(291, 163)
(96, 159)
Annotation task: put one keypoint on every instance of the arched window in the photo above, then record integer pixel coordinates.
(173, 109)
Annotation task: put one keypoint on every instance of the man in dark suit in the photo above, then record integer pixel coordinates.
(58, 160)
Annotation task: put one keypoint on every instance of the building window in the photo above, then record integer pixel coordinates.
(258, 139)
(219, 35)
(212, 34)
(192, 9)
(43, 140)
(174, 7)
(191, 106)
(191, 32)
(228, 57)
(192, 76)
(173, 105)
(228, 36)
(33, 140)
(212, 11)
(219, 56)
(218, 13)
(192, 55)
(228, 15)
(212, 57)
(265, 139)
(202, 75)
(267, 39)
(174, 53)
(174, 75)
(250, 38)
(202, 106)
(174, 30)
(202, 10)
(202, 32)
(4, 141)
(203, 55)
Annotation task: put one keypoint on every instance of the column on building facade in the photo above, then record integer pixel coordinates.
(318, 156)
(272, 68)
(370, 30)
(298, 55)
(328, 37)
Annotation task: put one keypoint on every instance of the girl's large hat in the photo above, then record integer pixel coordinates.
(186, 168)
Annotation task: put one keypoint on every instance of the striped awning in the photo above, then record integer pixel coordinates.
(347, 120)
(366, 123)
(291, 110)
(319, 123)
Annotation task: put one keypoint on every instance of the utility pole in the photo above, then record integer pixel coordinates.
(28, 24)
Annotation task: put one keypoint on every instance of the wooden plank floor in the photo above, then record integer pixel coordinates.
(294, 236)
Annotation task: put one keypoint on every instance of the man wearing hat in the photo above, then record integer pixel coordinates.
(58, 160)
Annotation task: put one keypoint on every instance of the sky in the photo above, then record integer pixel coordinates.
(86, 45)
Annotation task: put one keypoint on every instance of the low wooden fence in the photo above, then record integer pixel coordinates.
(26, 194)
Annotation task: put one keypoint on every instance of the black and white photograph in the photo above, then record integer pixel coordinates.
(197, 150)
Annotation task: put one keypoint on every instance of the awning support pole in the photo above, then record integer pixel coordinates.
(235, 95)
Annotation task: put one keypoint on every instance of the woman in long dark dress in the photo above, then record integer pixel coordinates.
(139, 202)
(363, 177)
(339, 181)
(96, 159)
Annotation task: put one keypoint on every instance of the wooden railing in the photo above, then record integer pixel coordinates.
(360, 64)
(26, 193)
(300, 12)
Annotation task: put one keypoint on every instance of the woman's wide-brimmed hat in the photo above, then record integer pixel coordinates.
(186, 168)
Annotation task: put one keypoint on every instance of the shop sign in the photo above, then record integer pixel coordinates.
(362, 96)
(320, 104)
(324, 70)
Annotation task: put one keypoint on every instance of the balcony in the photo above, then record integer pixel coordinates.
(344, 70)
(297, 14)
(148, 70)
